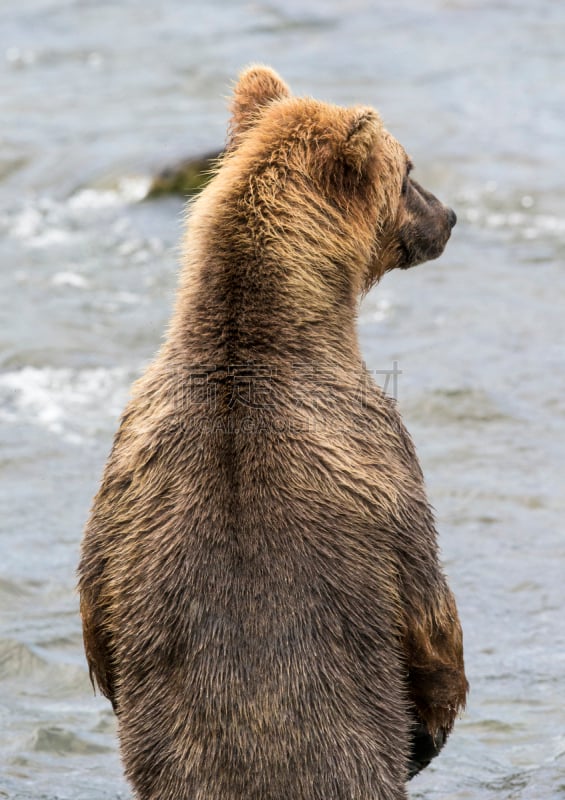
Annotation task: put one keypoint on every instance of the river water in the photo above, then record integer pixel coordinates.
(97, 95)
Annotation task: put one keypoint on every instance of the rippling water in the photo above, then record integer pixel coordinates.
(97, 95)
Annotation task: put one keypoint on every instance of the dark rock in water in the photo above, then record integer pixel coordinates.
(186, 177)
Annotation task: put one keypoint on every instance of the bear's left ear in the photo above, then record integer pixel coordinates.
(363, 131)
(257, 87)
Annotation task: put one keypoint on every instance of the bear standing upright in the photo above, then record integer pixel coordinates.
(260, 589)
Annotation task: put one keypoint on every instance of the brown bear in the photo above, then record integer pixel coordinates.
(260, 589)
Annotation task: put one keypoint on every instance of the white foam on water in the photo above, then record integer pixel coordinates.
(87, 199)
(130, 189)
(71, 279)
(134, 188)
(71, 403)
(45, 222)
(17, 57)
(42, 222)
(27, 223)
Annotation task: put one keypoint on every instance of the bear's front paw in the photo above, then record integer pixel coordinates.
(424, 746)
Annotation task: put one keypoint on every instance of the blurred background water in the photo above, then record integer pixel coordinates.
(94, 97)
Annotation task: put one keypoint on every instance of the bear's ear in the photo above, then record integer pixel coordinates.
(257, 87)
(363, 131)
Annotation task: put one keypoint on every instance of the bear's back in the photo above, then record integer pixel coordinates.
(254, 586)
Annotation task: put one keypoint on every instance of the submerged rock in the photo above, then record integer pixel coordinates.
(185, 178)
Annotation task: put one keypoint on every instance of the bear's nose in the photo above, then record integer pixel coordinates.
(452, 217)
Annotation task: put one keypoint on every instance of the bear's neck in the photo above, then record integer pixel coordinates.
(239, 313)
(239, 303)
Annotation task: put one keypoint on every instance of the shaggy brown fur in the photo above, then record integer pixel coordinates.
(260, 589)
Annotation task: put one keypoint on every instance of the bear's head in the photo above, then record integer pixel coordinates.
(336, 176)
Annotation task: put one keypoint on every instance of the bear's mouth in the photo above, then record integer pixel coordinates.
(405, 261)
(415, 250)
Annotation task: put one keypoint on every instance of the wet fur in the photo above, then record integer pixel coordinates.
(260, 589)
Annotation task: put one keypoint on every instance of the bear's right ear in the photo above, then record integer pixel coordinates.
(257, 87)
(364, 128)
